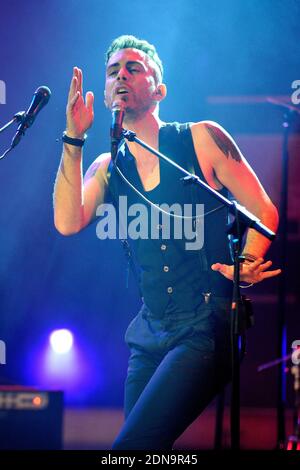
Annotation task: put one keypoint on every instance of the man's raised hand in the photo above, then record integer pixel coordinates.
(80, 113)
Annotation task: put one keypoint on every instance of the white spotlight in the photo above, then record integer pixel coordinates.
(61, 341)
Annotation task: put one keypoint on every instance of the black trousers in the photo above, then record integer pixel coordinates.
(178, 364)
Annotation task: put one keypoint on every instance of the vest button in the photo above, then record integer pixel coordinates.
(163, 247)
(170, 290)
(166, 269)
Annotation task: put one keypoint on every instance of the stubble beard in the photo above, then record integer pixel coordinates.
(134, 114)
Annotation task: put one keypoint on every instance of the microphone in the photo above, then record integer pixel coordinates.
(116, 124)
(39, 100)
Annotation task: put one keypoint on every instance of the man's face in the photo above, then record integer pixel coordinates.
(130, 82)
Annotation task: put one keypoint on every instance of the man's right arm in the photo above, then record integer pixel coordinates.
(75, 199)
(68, 194)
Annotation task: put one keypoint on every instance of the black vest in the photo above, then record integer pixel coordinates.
(166, 269)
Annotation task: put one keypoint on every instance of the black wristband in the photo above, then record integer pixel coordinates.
(69, 140)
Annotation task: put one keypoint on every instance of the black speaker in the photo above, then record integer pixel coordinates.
(30, 419)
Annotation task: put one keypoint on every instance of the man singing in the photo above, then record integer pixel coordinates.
(180, 340)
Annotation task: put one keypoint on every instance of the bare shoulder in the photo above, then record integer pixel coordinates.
(99, 167)
(208, 128)
(203, 125)
(102, 161)
(210, 133)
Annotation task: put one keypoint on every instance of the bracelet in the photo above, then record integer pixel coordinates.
(249, 257)
(76, 142)
(246, 287)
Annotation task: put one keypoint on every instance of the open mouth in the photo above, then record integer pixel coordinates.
(122, 91)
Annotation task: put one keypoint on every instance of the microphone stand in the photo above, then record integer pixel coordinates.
(290, 113)
(18, 117)
(281, 313)
(243, 220)
(293, 441)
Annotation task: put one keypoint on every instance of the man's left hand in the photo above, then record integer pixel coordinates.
(253, 272)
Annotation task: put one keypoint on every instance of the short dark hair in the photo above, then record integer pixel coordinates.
(128, 41)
